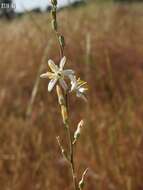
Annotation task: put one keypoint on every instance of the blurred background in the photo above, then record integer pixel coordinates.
(104, 44)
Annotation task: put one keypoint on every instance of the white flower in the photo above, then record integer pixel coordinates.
(78, 87)
(57, 74)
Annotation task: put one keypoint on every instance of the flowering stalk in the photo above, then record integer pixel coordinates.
(59, 77)
(60, 38)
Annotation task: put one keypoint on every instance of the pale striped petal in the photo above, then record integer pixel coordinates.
(73, 86)
(82, 83)
(72, 78)
(62, 63)
(53, 66)
(51, 84)
(68, 72)
(47, 75)
(63, 84)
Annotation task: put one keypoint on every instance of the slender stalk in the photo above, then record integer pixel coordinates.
(70, 140)
(37, 81)
(71, 152)
(61, 49)
(63, 101)
(71, 148)
(91, 135)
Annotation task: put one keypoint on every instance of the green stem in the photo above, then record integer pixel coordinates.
(70, 140)
(60, 47)
(72, 165)
(71, 150)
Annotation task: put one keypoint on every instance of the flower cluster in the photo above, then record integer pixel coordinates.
(59, 75)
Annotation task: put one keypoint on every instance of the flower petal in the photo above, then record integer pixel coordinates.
(63, 84)
(51, 84)
(80, 95)
(72, 78)
(73, 82)
(80, 84)
(53, 66)
(82, 90)
(73, 86)
(68, 72)
(47, 75)
(44, 75)
(62, 62)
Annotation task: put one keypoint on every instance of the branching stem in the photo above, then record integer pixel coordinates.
(64, 103)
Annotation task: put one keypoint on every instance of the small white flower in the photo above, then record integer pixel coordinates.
(57, 74)
(78, 87)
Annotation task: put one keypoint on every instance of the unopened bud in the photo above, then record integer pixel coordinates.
(54, 25)
(78, 131)
(54, 2)
(62, 41)
(53, 12)
(81, 182)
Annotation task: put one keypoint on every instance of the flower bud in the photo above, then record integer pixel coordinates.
(53, 13)
(81, 182)
(54, 25)
(78, 131)
(54, 2)
(62, 41)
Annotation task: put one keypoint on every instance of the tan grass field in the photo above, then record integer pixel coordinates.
(112, 142)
